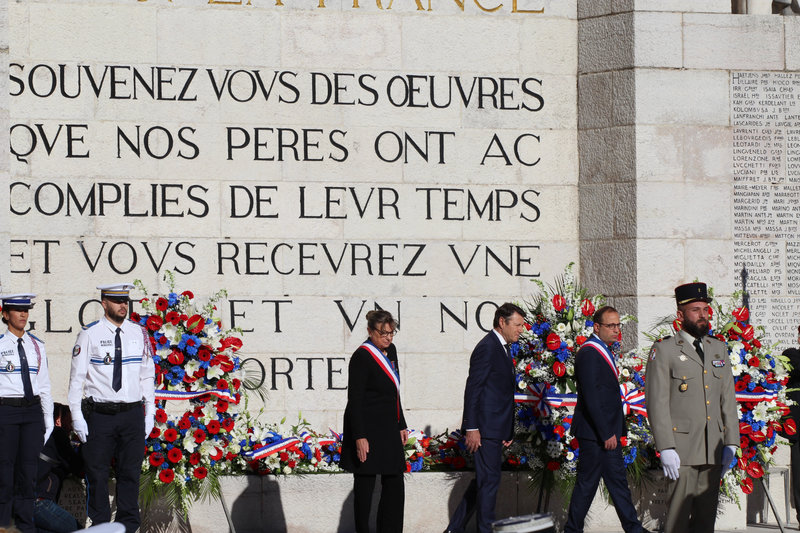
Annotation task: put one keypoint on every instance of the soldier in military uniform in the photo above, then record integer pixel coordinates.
(691, 405)
(112, 374)
(26, 412)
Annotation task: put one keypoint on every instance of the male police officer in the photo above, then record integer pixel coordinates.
(112, 372)
(26, 412)
(691, 405)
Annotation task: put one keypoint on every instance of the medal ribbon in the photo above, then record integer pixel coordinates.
(603, 349)
(386, 366)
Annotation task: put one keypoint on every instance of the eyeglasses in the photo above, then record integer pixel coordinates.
(386, 334)
(612, 326)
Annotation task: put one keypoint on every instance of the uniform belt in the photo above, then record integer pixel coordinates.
(110, 408)
(19, 402)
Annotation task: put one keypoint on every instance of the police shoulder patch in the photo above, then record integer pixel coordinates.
(76, 350)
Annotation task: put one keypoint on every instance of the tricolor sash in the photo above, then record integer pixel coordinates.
(386, 366)
(603, 349)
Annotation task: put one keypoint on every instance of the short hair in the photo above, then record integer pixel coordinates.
(377, 317)
(505, 312)
(598, 315)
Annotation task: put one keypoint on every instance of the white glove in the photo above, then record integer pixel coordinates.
(48, 429)
(149, 419)
(670, 462)
(728, 455)
(80, 428)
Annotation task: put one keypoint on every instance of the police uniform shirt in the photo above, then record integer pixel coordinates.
(11, 368)
(92, 371)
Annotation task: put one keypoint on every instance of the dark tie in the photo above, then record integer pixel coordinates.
(698, 347)
(508, 349)
(26, 372)
(116, 383)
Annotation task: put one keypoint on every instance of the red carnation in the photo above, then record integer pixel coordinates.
(573, 444)
(587, 308)
(135, 317)
(154, 322)
(757, 343)
(623, 441)
(175, 455)
(553, 465)
(188, 294)
(162, 304)
(559, 369)
(203, 353)
(194, 458)
(580, 339)
(236, 383)
(200, 472)
(228, 424)
(184, 423)
(741, 314)
(222, 384)
(156, 459)
(173, 317)
(161, 416)
(740, 386)
(155, 433)
(528, 326)
(222, 406)
(195, 324)
(559, 303)
(559, 430)
(199, 435)
(553, 342)
(231, 456)
(754, 362)
(213, 427)
(170, 435)
(166, 475)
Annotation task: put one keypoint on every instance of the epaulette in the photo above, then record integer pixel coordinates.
(2, 335)
(87, 326)
(35, 337)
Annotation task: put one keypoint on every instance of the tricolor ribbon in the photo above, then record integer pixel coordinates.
(755, 397)
(537, 395)
(386, 366)
(271, 449)
(603, 349)
(190, 395)
(632, 400)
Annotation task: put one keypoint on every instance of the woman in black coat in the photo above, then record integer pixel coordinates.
(374, 427)
(794, 382)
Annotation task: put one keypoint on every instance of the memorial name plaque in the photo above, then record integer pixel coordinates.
(765, 115)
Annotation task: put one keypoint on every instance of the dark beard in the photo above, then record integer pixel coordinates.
(696, 330)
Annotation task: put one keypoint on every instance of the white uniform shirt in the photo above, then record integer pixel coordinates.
(92, 371)
(10, 369)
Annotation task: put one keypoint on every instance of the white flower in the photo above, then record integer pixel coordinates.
(287, 470)
(561, 327)
(570, 456)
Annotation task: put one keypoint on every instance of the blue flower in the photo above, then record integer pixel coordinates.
(172, 299)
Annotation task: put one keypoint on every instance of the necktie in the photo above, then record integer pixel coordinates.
(116, 383)
(698, 346)
(508, 349)
(26, 372)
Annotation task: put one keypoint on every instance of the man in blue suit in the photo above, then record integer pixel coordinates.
(598, 425)
(489, 415)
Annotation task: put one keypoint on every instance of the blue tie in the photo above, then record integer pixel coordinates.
(26, 371)
(116, 383)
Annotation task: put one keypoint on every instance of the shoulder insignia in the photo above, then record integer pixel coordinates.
(76, 350)
(2, 335)
(36, 338)
(87, 326)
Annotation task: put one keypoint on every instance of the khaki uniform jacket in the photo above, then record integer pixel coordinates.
(689, 402)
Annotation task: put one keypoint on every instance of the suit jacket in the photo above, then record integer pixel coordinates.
(703, 418)
(373, 412)
(794, 383)
(598, 413)
(489, 393)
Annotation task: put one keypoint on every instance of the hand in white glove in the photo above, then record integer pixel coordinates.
(670, 462)
(48, 429)
(728, 456)
(149, 420)
(80, 428)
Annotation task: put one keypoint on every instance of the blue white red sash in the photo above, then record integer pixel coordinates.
(755, 397)
(601, 347)
(384, 363)
(190, 395)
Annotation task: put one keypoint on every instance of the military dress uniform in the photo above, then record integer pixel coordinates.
(691, 406)
(112, 374)
(26, 418)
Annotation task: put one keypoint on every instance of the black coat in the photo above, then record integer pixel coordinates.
(56, 461)
(598, 413)
(373, 412)
(794, 383)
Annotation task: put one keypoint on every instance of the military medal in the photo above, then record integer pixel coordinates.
(10, 366)
(107, 359)
(683, 387)
(718, 363)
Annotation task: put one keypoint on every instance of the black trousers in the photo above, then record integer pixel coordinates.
(481, 495)
(795, 469)
(390, 507)
(21, 440)
(595, 462)
(119, 436)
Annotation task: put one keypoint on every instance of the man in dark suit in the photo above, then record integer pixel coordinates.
(489, 415)
(598, 425)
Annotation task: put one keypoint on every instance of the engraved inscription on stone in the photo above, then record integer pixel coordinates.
(765, 115)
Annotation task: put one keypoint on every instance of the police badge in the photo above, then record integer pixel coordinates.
(10, 366)
(107, 359)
